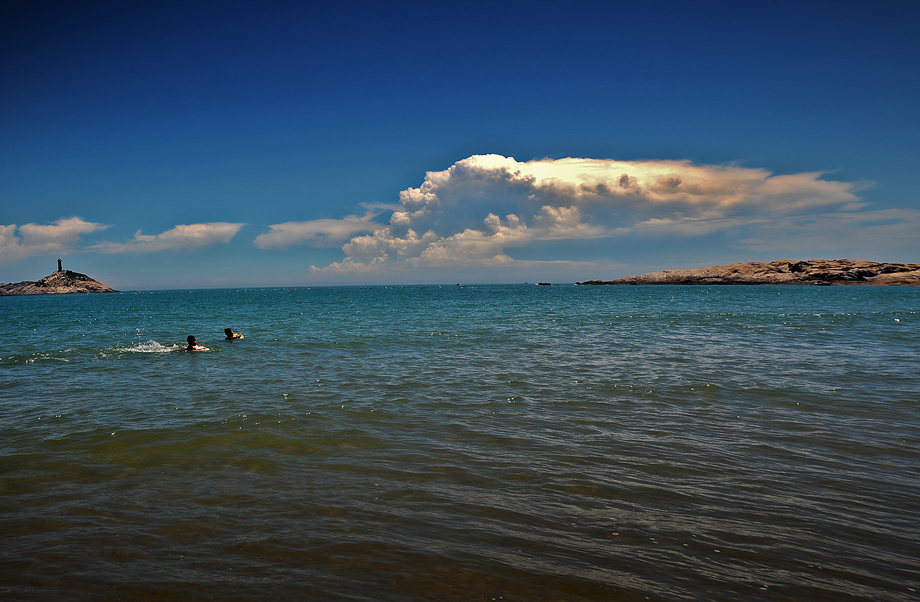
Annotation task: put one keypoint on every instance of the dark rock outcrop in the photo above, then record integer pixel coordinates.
(59, 283)
(815, 272)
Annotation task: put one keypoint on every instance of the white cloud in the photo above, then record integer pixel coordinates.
(183, 236)
(36, 239)
(319, 232)
(485, 205)
(882, 235)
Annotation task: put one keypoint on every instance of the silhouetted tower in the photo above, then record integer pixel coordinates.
(59, 265)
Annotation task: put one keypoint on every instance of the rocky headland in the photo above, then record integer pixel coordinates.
(61, 282)
(810, 272)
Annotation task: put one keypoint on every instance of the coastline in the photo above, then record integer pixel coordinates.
(815, 272)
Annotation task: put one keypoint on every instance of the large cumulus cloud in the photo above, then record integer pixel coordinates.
(481, 207)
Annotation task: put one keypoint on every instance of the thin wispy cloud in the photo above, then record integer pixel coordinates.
(27, 240)
(320, 232)
(884, 232)
(485, 205)
(181, 237)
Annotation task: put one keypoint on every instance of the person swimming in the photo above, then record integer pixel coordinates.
(193, 344)
(232, 335)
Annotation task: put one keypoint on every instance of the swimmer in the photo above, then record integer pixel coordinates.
(193, 344)
(231, 335)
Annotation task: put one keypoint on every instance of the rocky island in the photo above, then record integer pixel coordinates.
(61, 282)
(824, 272)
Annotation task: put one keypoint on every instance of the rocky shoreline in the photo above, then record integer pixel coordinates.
(61, 282)
(821, 272)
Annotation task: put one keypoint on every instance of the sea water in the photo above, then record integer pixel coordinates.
(529, 443)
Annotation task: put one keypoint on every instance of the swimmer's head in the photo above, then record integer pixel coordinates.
(191, 339)
(228, 331)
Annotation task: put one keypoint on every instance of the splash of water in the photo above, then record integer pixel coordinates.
(150, 346)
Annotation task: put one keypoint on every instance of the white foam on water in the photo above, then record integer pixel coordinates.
(150, 347)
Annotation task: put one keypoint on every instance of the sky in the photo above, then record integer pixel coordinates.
(167, 145)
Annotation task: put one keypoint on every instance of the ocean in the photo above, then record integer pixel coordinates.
(462, 443)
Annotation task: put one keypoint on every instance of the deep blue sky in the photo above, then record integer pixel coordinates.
(146, 116)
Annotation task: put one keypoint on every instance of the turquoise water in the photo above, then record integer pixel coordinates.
(462, 443)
